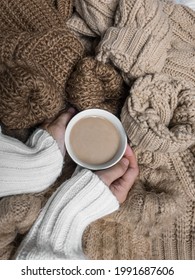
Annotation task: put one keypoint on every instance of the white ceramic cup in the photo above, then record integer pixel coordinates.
(108, 116)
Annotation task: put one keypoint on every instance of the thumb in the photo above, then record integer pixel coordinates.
(111, 174)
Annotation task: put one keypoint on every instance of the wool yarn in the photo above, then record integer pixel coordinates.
(95, 85)
(35, 69)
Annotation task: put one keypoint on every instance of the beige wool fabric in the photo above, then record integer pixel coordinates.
(91, 19)
(150, 37)
(96, 16)
(139, 41)
(158, 219)
(159, 212)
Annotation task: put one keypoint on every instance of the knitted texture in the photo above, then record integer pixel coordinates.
(107, 239)
(143, 37)
(182, 21)
(17, 215)
(79, 201)
(158, 117)
(20, 172)
(139, 40)
(35, 69)
(64, 7)
(95, 85)
(32, 16)
(97, 15)
(188, 3)
(180, 62)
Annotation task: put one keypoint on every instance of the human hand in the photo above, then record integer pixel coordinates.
(121, 177)
(56, 128)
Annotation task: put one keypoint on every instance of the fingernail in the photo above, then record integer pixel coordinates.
(125, 161)
(71, 110)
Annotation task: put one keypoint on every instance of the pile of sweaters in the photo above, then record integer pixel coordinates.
(134, 58)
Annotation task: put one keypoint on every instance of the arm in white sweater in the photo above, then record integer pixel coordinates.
(30, 167)
(57, 233)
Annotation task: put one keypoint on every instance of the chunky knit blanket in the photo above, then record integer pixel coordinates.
(134, 58)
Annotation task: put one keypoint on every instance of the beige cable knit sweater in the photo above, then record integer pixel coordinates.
(152, 43)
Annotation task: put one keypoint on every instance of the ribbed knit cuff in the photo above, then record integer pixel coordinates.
(57, 233)
(28, 168)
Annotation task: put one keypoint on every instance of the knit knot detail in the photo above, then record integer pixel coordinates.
(159, 114)
(95, 85)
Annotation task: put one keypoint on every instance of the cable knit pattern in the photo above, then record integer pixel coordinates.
(182, 20)
(21, 164)
(139, 41)
(160, 114)
(98, 15)
(57, 233)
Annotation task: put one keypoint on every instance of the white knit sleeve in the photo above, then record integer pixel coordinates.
(57, 233)
(30, 167)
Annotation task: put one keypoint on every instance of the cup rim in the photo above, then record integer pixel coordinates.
(110, 117)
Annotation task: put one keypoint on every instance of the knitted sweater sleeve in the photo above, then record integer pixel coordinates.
(158, 118)
(57, 233)
(30, 167)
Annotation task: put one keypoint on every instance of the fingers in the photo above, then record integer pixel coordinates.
(65, 117)
(61, 120)
(57, 128)
(111, 174)
(121, 177)
(129, 154)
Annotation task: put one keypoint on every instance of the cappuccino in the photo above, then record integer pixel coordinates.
(94, 140)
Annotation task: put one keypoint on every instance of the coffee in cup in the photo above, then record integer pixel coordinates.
(95, 139)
